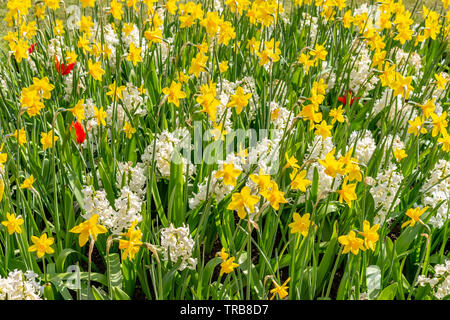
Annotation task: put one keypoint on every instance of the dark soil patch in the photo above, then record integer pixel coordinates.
(98, 264)
(395, 232)
(138, 292)
(217, 246)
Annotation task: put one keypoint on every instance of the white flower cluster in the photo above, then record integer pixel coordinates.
(437, 192)
(281, 118)
(328, 76)
(372, 12)
(68, 85)
(311, 22)
(133, 177)
(111, 40)
(178, 244)
(384, 192)
(128, 208)
(54, 48)
(412, 60)
(132, 102)
(440, 282)
(361, 75)
(89, 113)
(131, 37)
(20, 286)
(166, 143)
(266, 154)
(3, 82)
(397, 108)
(365, 145)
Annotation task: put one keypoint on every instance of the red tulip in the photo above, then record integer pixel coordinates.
(79, 131)
(64, 70)
(344, 98)
(32, 47)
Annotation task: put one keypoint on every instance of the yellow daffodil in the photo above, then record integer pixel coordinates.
(88, 228)
(332, 166)
(100, 115)
(129, 130)
(133, 244)
(47, 139)
(174, 93)
(298, 181)
(228, 264)
(400, 154)
(281, 291)
(134, 54)
(291, 162)
(239, 100)
(28, 183)
(301, 224)
(370, 234)
(78, 110)
(229, 174)
(95, 70)
(347, 193)
(12, 223)
(351, 243)
(21, 136)
(274, 196)
(42, 245)
(414, 214)
(242, 200)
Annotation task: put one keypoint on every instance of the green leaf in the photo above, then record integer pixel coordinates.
(422, 292)
(129, 276)
(373, 281)
(132, 154)
(389, 292)
(406, 238)
(207, 274)
(119, 294)
(114, 270)
(48, 292)
(62, 258)
(328, 257)
(158, 203)
(61, 288)
(106, 181)
(176, 181)
(315, 185)
(342, 290)
(167, 279)
(97, 294)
